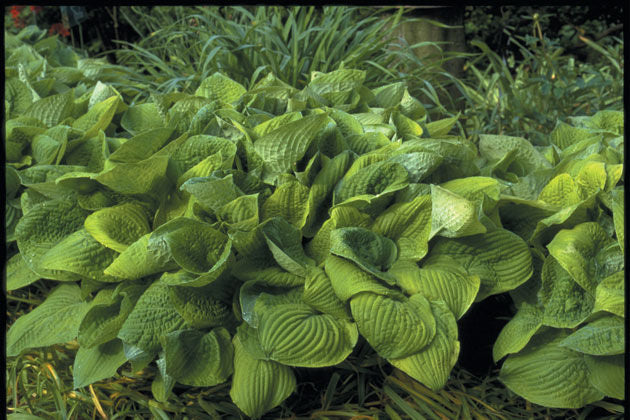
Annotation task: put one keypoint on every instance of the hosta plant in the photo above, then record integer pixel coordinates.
(234, 235)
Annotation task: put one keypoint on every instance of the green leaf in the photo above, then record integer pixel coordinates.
(454, 216)
(142, 145)
(198, 359)
(618, 215)
(43, 227)
(442, 127)
(319, 293)
(141, 117)
(369, 250)
(395, 329)
(407, 224)
(212, 192)
(55, 321)
(604, 336)
(561, 192)
(518, 331)
(152, 317)
(500, 258)
(285, 244)
(289, 202)
(96, 363)
(119, 226)
(138, 261)
(565, 303)
(18, 273)
(609, 294)
(79, 253)
(432, 365)
(144, 177)
(406, 128)
(348, 279)
(202, 307)
(607, 374)
(295, 335)
(564, 135)
(526, 158)
(440, 278)
(52, 109)
(548, 374)
(220, 87)
(162, 384)
(98, 117)
(259, 385)
(576, 251)
(281, 148)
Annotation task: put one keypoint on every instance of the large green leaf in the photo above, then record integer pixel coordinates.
(348, 279)
(295, 335)
(281, 148)
(259, 385)
(604, 336)
(607, 374)
(152, 317)
(145, 177)
(526, 158)
(610, 294)
(119, 226)
(18, 273)
(54, 321)
(518, 331)
(196, 358)
(96, 363)
(140, 260)
(618, 215)
(289, 201)
(548, 374)
(141, 117)
(98, 117)
(395, 329)
(432, 365)
(500, 258)
(285, 244)
(202, 307)
(319, 293)
(220, 87)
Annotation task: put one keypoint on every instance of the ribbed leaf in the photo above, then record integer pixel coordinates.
(259, 385)
(288, 201)
(347, 279)
(395, 329)
(201, 307)
(18, 273)
(96, 363)
(454, 216)
(285, 244)
(138, 261)
(55, 321)
(518, 331)
(319, 293)
(607, 374)
(432, 365)
(610, 294)
(618, 215)
(603, 337)
(118, 227)
(141, 117)
(220, 87)
(295, 335)
(198, 359)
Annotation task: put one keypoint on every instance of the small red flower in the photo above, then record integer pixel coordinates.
(58, 28)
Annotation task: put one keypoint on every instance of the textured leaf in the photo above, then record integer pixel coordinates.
(162, 384)
(348, 279)
(564, 135)
(603, 337)
(98, 117)
(518, 331)
(565, 303)
(42, 227)
(561, 192)
(220, 87)
(408, 224)
(141, 117)
(394, 328)
(118, 227)
(607, 374)
(286, 145)
(197, 359)
(138, 261)
(18, 273)
(319, 293)
(609, 294)
(295, 335)
(526, 158)
(96, 363)
(212, 192)
(142, 145)
(288, 201)
(81, 254)
(285, 244)
(147, 176)
(152, 317)
(259, 385)
(441, 127)
(550, 375)
(454, 216)
(201, 307)
(576, 249)
(500, 258)
(52, 109)
(432, 365)
(54, 321)
(618, 215)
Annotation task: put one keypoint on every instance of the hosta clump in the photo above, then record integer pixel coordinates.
(234, 235)
(565, 344)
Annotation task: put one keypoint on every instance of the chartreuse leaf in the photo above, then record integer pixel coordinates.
(42, 227)
(348, 279)
(257, 291)
(295, 335)
(212, 192)
(81, 254)
(548, 374)
(152, 317)
(604, 336)
(565, 303)
(319, 293)
(518, 331)
(96, 363)
(144, 177)
(54, 321)
(220, 87)
(241, 213)
(274, 123)
(500, 258)
(289, 202)
(432, 365)
(607, 374)
(285, 244)
(18, 273)
(407, 224)
(609, 294)
(442, 127)
(440, 278)
(196, 358)
(201, 307)
(618, 215)
(259, 385)
(51, 110)
(286, 145)
(564, 135)
(50, 146)
(561, 192)
(141, 117)
(142, 145)
(576, 250)
(406, 128)
(138, 261)
(526, 158)
(119, 226)
(394, 328)
(454, 216)
(98, 117)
